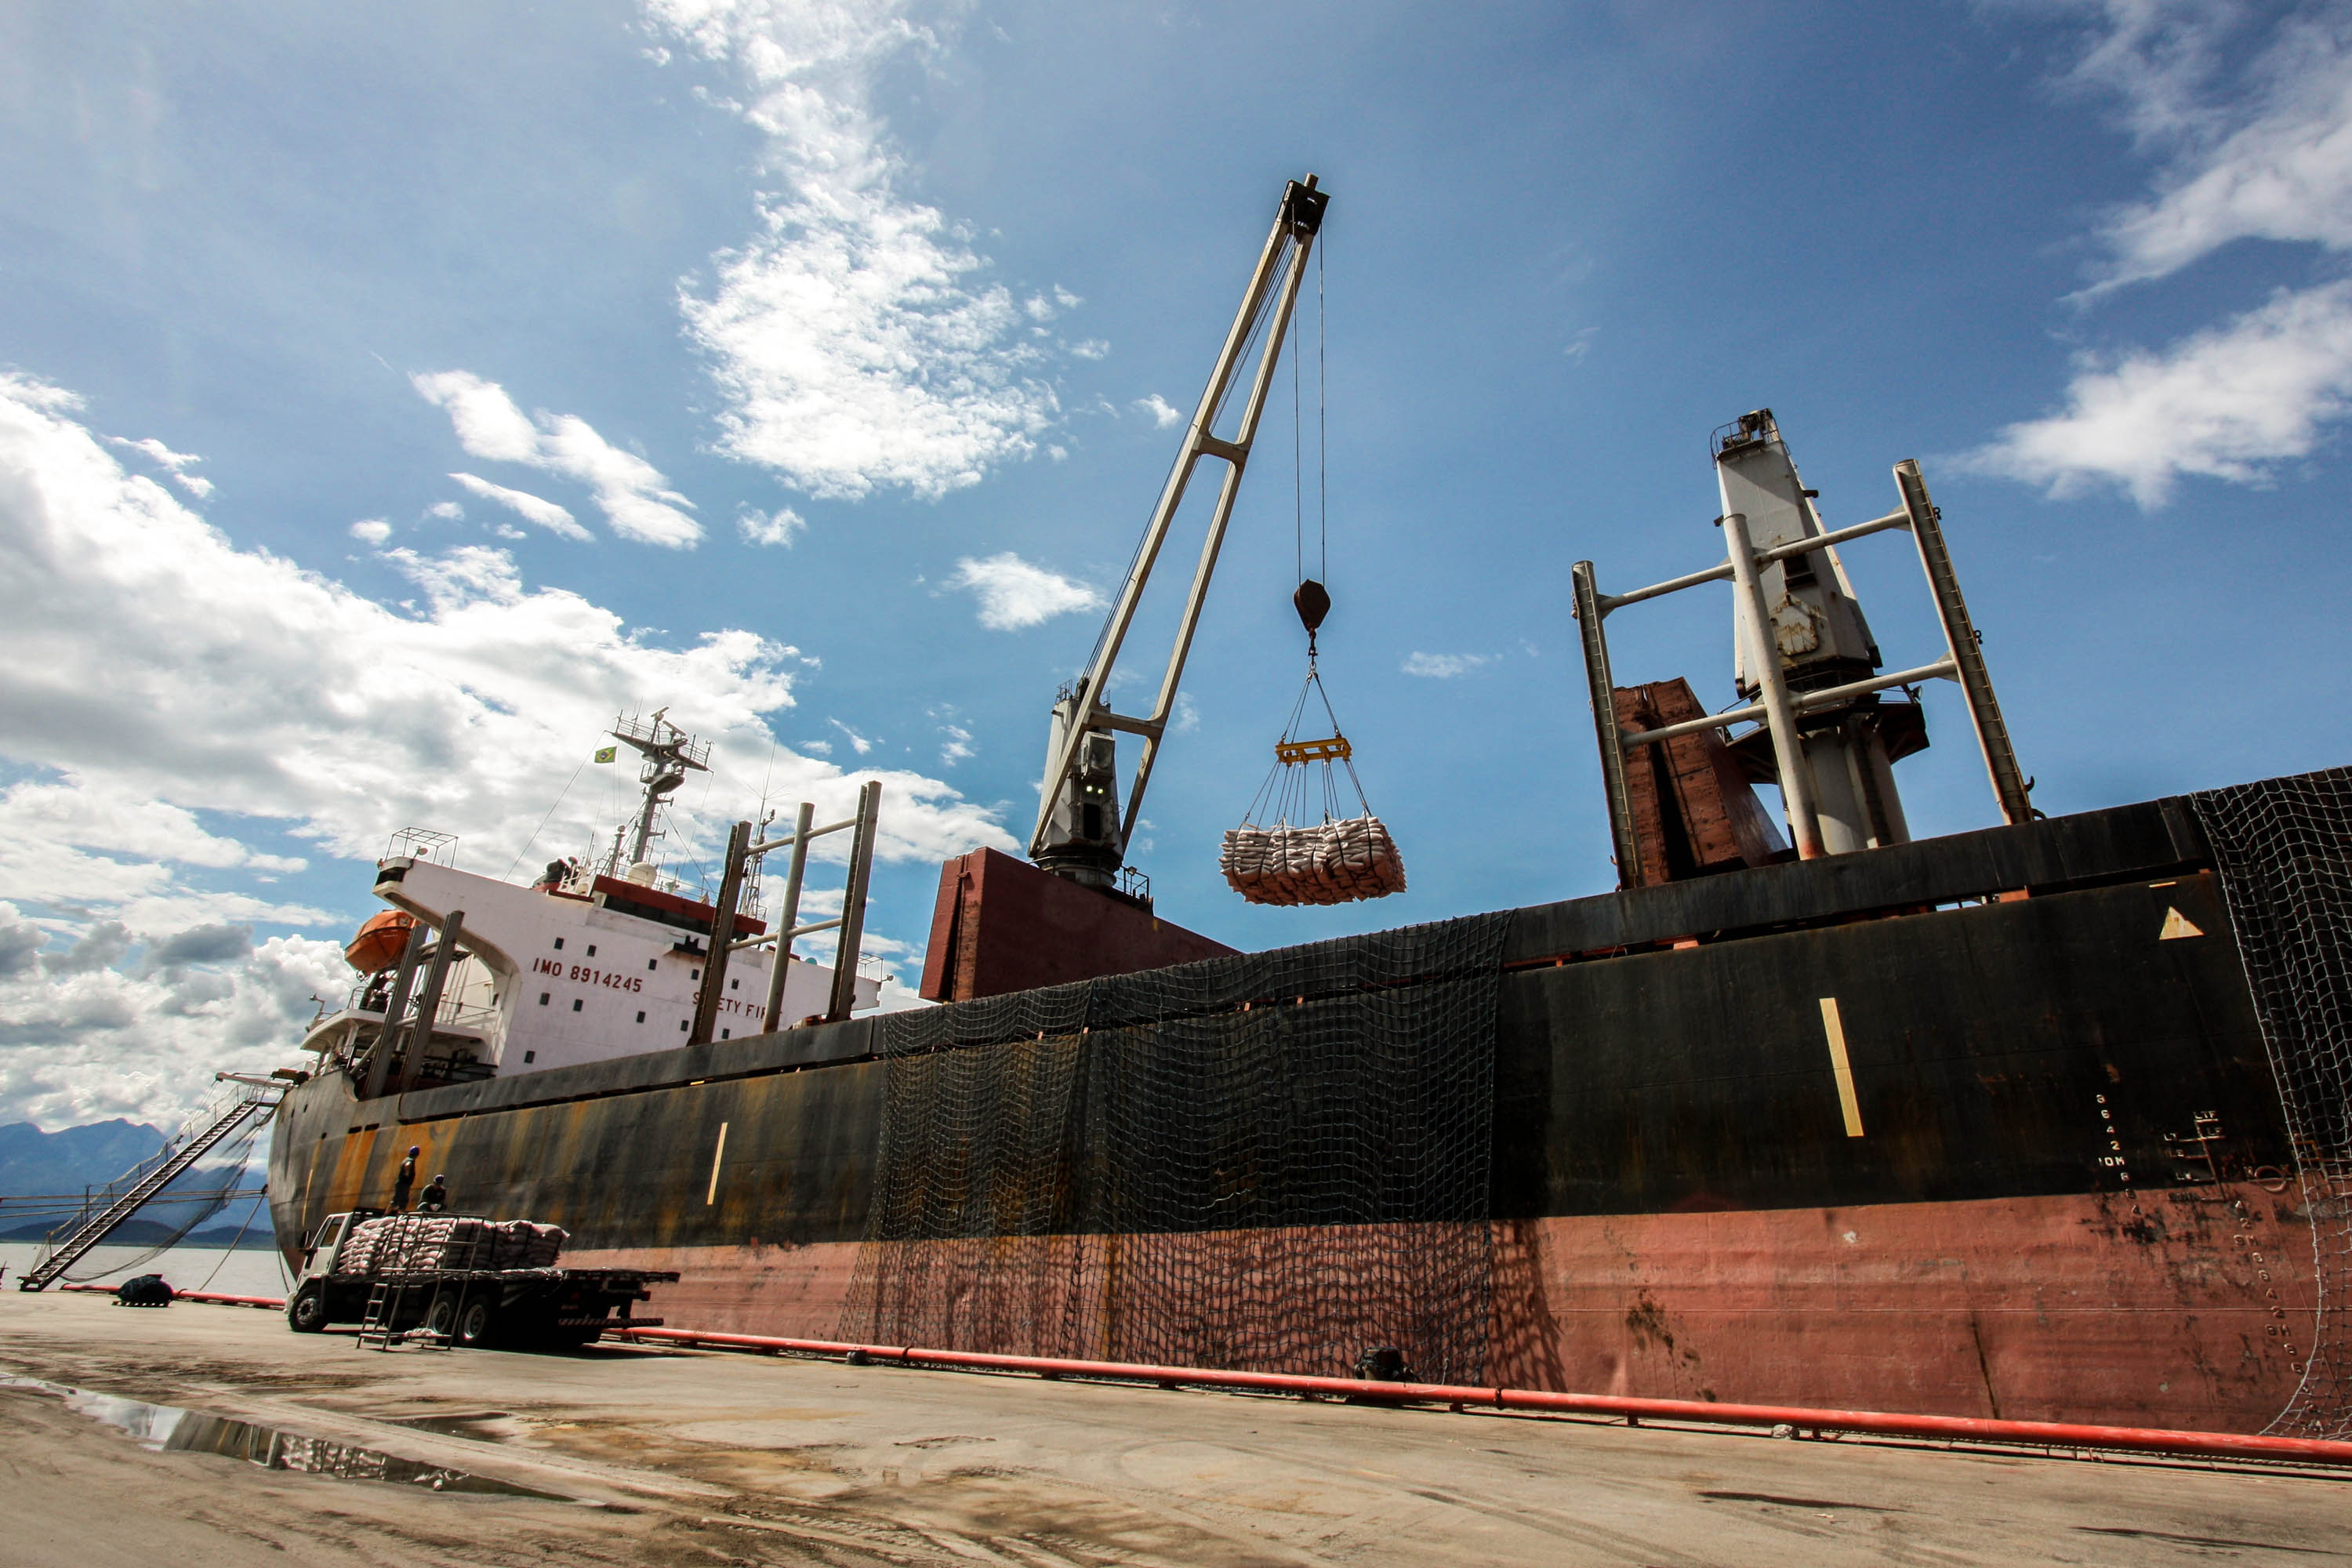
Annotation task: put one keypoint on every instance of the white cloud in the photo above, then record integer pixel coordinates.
(83, 1039)
(1445, 666)
(2227, 401)
(371, 531)
(2250, 122)
(1014, 593)
(80, 812)
(957, 747)
(1163, 412)
(854, 336)
(781, 526)
(446, 511)
(156, 452)
(859, 743)
(632, 493)
(174, 464)
(2256, 141)
(154, 669)
(529, 507)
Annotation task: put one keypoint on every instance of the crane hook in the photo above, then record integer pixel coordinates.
(1313, 602)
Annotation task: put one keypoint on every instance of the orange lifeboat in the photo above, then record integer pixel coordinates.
(380, 942)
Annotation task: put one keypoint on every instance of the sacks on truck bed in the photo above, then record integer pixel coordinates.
(1334, 863)
(409, 1243)
(520, 1244)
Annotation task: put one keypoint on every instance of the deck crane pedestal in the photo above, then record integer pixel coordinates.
(1079, 912)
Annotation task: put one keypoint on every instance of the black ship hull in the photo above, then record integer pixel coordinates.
(1994, 1124)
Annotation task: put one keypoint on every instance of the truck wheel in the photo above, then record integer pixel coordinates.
(441, 1317)
(307, 1312)
(477, 1325)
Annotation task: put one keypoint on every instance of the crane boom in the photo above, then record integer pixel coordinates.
(1080, 833)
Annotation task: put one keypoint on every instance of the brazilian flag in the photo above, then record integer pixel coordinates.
(608, 753)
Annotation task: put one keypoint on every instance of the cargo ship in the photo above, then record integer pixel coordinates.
(2028, 1122)
(2044, 1121)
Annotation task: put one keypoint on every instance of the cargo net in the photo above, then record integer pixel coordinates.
(2284, 848)
(1272, 1163)
(1337, 861)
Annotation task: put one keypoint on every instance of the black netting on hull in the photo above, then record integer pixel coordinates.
(2284, 848)
(1272, 1163)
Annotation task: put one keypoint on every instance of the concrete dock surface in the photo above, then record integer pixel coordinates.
(622, 1455)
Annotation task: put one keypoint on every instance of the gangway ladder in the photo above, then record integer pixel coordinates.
(252, 1097)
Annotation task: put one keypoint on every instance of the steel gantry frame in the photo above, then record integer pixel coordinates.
(1281, 267)
(404, 1037)
(1778, 709)
(742, 853)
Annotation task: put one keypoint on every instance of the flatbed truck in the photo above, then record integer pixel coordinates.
(518, 1308)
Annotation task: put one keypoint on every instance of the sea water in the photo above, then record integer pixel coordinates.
(239, 1271)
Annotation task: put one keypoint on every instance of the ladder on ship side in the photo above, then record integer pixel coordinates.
(246, 1099)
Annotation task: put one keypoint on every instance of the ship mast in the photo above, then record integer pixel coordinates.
(669, 754)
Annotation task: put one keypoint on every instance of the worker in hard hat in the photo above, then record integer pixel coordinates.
(434, 1197)
(404, 1180)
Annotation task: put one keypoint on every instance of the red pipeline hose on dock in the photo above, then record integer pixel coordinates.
(1872, 1423)
(1868, 1423)
(213, 1298)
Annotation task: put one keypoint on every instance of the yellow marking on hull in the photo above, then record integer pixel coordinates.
(1834, 1028)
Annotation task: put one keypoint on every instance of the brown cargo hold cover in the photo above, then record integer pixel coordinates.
(1004, 925)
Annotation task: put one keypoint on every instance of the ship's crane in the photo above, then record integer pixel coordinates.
(1081, 834)
(1811, 674)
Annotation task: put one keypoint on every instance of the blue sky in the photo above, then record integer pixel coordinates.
(800, 367)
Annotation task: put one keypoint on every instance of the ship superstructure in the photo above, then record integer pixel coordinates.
(580, 965)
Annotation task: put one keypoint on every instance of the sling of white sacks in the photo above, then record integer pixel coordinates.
(1334, 863)
(395, 1244)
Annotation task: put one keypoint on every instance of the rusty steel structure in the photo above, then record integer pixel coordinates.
(1804, 657)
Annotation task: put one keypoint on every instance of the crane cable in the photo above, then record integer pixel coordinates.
(1285, 790)
(1322, 451)
(1291, 858)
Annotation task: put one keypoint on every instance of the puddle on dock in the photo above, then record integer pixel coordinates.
(470, 1426)
(167, 1428)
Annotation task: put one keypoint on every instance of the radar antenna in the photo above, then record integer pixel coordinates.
(669, 754)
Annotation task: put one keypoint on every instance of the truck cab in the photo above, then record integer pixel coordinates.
(326, 1243)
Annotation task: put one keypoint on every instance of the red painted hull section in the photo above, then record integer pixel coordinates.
(1004, 925)
(2048, 1309)
(2043, 1309)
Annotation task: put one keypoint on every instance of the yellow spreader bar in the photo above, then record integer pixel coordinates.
(1294, 752)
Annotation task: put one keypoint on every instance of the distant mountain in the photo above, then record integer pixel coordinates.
(72, 1158)
(35, 1163)
(148, 1233)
